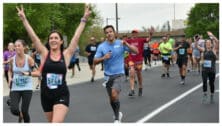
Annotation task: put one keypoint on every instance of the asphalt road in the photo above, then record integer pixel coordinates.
(89, 102)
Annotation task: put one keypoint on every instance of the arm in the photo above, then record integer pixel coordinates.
(132, 48)
(75, 39)
(10, 73)
(34, 72)
(35, 39)
(215, 41)
(150, 31)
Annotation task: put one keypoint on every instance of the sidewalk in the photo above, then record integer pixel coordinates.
(80, 76)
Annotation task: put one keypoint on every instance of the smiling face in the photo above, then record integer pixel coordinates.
(55, 41)
(208, 44)
(19, 47)
(11, 46)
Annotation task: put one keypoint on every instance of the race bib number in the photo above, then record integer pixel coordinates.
(181, 51)
(20, 81)
(93, 48)
(165, 57)
(53, 80)
(207, 64)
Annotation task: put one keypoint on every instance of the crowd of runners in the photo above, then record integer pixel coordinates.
(121, 60)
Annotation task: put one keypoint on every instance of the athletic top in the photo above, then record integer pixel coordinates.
(7, 55)
(139, 43)
(91, 49)
(209, 61)
(196, 51)
(182, 51)
(115, 64)
(54, 75)
(165, 45)
(37, 57)
(21, 82)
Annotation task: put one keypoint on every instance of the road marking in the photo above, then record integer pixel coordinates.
(165, 106)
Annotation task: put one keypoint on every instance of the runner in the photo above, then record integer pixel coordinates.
(165, 48)
(136, 60)
(54, 63)
(190, 59)
(196, 51)
(209, 65)
(155, 51)
(111, 52)
(181, 50)
(147, 55)
(6, 56)
(20, 81)
(90, 52)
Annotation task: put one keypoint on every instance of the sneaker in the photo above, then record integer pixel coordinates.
(211, 98)
(163, 75)
(92, 79)
(146, 67)
(131, 93)
(116, 121)
(204, 99)
(140, 92)
(8, 102)
(37, 87)
(168, 75)
(182, 81)
(120, 116)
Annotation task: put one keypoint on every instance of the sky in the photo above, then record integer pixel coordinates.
(137, 15)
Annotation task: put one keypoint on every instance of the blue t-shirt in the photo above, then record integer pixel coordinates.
(115, 64)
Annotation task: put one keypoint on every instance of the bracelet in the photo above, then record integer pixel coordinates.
(30, 73)
(83, 19)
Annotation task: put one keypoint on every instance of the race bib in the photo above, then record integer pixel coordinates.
(93, 48)
(53, 80)
(181, 51)
(207, 64)
(20, 81)
(165, 57)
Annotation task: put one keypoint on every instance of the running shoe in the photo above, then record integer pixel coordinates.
(211, 98)
(168, 75)
(140, 92)
(163, 75)
(182, 81)
(204, 99)
(131, 93)
(92, 79)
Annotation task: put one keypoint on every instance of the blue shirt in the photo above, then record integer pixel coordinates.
(115, 64)
(20, 81)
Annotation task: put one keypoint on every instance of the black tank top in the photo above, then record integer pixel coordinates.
(209, 61)
(54, 74)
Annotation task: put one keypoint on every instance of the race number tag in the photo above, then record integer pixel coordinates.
(181, 51)
(207, 64)
(165, 57)
(20, 81)
(53, 80)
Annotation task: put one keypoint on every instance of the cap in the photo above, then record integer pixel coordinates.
(135, 31)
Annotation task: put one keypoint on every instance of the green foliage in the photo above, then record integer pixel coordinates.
(203, 17)
(64, 17)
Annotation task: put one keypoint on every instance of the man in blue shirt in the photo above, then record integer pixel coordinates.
(111, 52)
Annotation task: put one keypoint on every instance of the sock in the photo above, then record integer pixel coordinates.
(115, 105)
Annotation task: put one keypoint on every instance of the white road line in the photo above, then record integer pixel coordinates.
(161, 108)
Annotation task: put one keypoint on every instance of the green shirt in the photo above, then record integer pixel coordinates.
(163, 46)
(171, 41)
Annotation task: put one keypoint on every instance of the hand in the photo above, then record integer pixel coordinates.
(87, 11)
(25, 73)
(124, 42)
(151, 30)
(107, 56)
(210, 33)
(21, 13)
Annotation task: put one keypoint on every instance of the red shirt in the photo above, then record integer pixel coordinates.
(139, 43)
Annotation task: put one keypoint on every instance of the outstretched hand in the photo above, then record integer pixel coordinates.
(151, 30)
(87, 11)
(21, 13)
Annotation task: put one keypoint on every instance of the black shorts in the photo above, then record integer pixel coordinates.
(71, 65)
(182, 61)
(166, 61)
(49, 98)
(90, 61)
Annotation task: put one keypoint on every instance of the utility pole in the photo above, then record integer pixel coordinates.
(117, 29)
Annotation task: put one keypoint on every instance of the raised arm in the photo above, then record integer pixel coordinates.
(215, 41)
(150, 31)
(75, 39)
(35, 39)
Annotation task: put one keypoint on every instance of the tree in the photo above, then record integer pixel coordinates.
(44, 18)
(203, 17)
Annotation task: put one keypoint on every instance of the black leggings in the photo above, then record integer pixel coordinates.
(16, 96)
(211, 76)
(147, 57)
